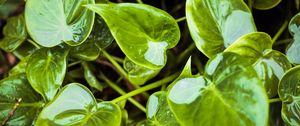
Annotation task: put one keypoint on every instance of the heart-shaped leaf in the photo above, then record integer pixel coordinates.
(100, 38)
(46, 70)
(265, 4)
(230, 93)
(51, 22)
(158, 111)
(293, 50)
(216, 24)
(143, 32)
(75, 105)
(138, 74)
(12, 89)
(270, 65)
(289, 93)
(91, 78)
(14, 33)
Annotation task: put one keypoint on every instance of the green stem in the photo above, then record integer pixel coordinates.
(114, 62)
(146, 88)
(33, 43)
(74, 63)
(274, 100)
(120, 60)
(139, 1)
(186, 52)
(180, 19)
(120, 91)
(280, 31)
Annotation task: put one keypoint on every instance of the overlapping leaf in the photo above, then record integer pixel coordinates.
(46, 70)
(289, 93)
(143, 32)
(230, 93)
(14, 33)
(293, 50)
(75, 105)
(270, 65)
(265, 4)
(216, 24)
(51, 22)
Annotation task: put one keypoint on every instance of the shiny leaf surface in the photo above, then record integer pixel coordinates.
(138, 74)
(91, 78)
(289, 94)
(270, 65)
(265, 4)
(293, 51)
(51, 22)
(46, 70)
(17, 87)
(158, 111)
(14, 33)
(230, 87)
(216, 24)
(143, 32)
(75, 105)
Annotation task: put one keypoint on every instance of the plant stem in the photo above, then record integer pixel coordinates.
(274, 100)
(11, 113)
(280, 31)
(114, 62)
(146, 88)
(180, 19)
(33, 43)
(186, 52)
(120, 91)
(120, 60)
(139, 1)
(74, 63)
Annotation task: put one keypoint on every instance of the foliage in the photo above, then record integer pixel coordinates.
(116, 63)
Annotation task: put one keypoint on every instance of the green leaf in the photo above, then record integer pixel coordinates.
(137, 74)
(229, 93)
(216, 24)
(91, 78)
(51, 22)
(8, 8)
(143, 32)
(293, 50)
(75, 105)
(288, 91)
(99, 39)
(46, 69)
(265, 4)
(270, 65)
(24, 50)
(20, 68)
(14, 33)
(158, 111)
(17, 87)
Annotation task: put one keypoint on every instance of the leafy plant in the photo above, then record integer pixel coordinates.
(118, 63)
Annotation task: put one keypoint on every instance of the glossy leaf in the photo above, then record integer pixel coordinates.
(20, 68)
(17, 87)
(216, 24)
(270, 65)
(265, 4)
(289, 93)
(158, 111)
(75, 105)
(51, 22)
(229, 93)
(293, 50)
(14, 33)
(24, 50)
(100, 38)
(138, 74)
(143, 32)
(46, 69)
(91, 78)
